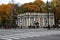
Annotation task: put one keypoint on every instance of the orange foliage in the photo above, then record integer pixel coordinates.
(31, 8)
(5, 11)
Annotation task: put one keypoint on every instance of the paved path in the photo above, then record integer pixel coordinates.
(51, 37)
(31, 34)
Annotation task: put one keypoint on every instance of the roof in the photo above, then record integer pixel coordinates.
(26, 14)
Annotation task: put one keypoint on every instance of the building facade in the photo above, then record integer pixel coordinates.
(28, 19)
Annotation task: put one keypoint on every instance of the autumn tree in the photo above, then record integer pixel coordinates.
(56, 8)
(35, 6)
(5, 13)
(31, 8)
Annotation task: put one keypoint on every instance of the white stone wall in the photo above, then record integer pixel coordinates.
(28, 19)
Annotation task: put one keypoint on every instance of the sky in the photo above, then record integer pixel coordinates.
(18, 1)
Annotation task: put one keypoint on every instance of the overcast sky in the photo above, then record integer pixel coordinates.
(18, 1)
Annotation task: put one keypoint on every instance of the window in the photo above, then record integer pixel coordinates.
(31, 20)
(41, 21)
(45, 20)
(51, 20)
(20, 19)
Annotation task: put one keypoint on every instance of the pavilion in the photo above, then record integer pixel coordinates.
(28, 19)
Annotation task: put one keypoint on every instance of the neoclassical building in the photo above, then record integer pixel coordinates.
(27, 19)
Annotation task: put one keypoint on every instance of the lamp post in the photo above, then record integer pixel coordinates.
(48, 13)
(14, 15)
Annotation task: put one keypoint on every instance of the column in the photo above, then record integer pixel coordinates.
(50, 21)
(19, 21)
(29, 21)
(26, 22)
(43, 21)
(39, 21)
(53, 20)
(34, 18)
(23, 22)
